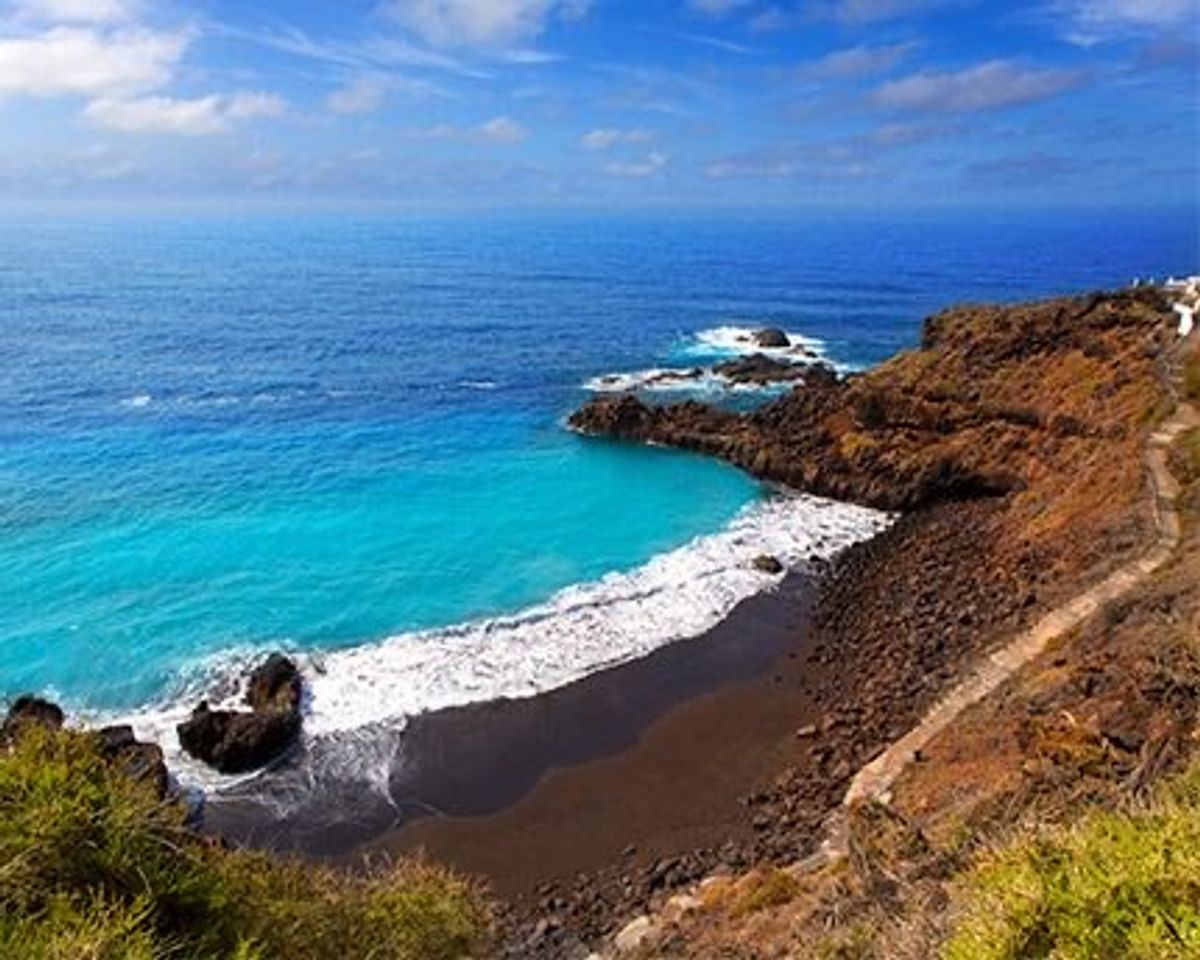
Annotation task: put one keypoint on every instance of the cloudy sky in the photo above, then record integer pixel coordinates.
(601, 103)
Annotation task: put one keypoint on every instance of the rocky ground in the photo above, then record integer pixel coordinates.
(1109, 711)
(1012, 439)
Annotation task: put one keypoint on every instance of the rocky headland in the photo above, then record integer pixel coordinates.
(1011, 441)
(984, 407)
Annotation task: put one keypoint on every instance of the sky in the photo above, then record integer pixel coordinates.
(604, 104)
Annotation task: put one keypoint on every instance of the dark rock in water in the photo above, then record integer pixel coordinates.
(772, 337)
(139, 761)
(761, 369)
(623, 416)
(670, 377)
(820, 375)
(235, 742)
(276, 685)
(767, 564)
(30, 711)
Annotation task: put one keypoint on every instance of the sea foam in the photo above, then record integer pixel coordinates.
(737, 340)
(358, 699)
(713, 346)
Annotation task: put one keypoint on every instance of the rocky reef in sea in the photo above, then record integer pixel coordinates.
(931, 426)
(758, 359)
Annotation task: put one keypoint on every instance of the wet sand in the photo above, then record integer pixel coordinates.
(645, 760)
(642, 762)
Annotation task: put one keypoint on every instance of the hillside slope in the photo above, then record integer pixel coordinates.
(1016, 435)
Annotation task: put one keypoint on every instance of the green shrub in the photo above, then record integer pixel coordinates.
(764, 890)
(1116, 885)
(94, 866)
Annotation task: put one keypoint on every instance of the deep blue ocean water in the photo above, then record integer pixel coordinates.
(223, 435)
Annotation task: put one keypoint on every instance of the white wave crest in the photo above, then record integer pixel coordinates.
(733, 340)
(692, 379)
(581, 629)
(738, 339)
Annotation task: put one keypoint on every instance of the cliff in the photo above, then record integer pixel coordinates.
(994, 400)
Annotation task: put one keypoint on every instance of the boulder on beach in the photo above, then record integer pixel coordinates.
(276, 685)
(772, 338)
(29, 710)
(237, 741)
(234, 741)
(767, 564)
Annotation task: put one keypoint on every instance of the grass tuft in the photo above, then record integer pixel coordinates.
(764, 889)
(94, 866)
(1117, 884)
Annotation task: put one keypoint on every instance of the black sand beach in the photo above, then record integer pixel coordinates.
(624, 744)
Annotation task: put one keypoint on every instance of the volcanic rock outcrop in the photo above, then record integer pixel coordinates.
(29, 710)
(137, 760)
(118, 745)
(760, 369)
(947, 422)
(236, 741)
(772, 337)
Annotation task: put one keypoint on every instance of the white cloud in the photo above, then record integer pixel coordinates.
(859, 61)
(1089, 22)
(526, 57)
(70, 60)
(197, 117)
(77, 11)
(639, 169)
(771, 19)
(752, 168)
(486, 23)
(99, 163)
(997, 83)
(500, 130)
(365, 95)
(249, 105)
(876, 11)
(1153, 13)
(606, 139)
(718, 8)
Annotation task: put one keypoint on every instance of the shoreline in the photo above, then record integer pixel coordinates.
(463, 769)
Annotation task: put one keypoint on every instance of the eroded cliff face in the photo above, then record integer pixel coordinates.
(995, 400)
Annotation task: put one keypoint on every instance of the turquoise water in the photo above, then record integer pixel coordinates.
(234, 435)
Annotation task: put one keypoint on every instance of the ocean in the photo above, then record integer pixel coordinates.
(344, 438)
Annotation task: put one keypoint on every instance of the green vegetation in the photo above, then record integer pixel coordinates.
(1117, 884)
(94, 866)
(764, 889)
